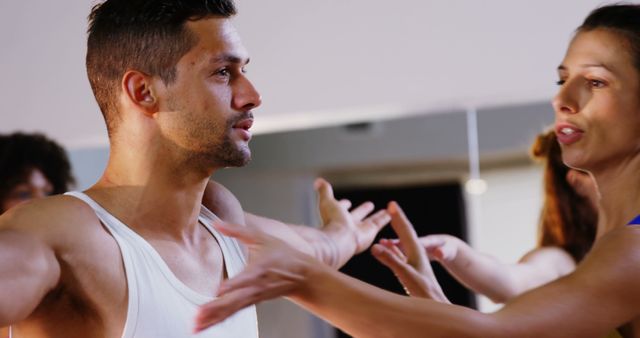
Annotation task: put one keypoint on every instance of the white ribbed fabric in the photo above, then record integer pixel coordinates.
(160, 305)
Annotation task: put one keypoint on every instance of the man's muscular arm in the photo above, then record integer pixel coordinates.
(342, 234)
(28, 265)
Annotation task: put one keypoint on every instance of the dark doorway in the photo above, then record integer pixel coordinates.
(432, 208)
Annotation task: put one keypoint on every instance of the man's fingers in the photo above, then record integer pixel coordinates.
(379, 219)
(324, 189)
(361, 211)
(345, 203)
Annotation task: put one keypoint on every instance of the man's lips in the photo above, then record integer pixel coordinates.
(242, 128)
(244, 124)
(568, 133)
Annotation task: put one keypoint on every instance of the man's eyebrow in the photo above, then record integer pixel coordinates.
(230, 58)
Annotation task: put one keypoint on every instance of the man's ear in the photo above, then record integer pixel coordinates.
(139, 91)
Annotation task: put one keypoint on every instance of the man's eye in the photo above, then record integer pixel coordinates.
(596, 83)
(560, 82)
(222, 72)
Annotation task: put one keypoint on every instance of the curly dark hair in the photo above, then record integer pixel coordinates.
(20, 153)
(568, 220)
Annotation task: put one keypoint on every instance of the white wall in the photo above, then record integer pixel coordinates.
(507, 215)
(316, 62)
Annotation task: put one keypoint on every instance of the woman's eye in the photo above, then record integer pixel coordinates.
(596, 83)
(560, 82)
(22, 195)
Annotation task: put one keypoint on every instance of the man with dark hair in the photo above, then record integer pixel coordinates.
(136, 254)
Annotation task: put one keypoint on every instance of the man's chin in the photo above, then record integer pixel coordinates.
(240, 160)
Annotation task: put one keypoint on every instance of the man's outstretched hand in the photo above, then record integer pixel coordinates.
(353, 231)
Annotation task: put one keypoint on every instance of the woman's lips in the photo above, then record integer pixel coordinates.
(568, 134)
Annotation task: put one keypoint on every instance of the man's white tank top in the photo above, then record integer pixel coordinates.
(160, 305)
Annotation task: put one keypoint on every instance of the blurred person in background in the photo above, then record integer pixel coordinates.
(31, 166)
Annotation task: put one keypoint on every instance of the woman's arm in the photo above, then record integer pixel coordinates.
(599, 296)
(481, 273)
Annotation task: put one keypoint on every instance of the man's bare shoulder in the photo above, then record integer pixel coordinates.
(223, 203)
(52, 219)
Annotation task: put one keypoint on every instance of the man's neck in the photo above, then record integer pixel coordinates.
(159, 200)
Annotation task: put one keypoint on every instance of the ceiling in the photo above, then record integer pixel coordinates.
(316, 63)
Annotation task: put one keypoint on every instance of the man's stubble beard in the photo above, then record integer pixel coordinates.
(229, 154)
(224, 153)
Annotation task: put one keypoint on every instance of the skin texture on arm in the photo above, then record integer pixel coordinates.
(597, 298)
(481, 273)
(28, 265)
(343, 233)
(600, 295)
(365, 311)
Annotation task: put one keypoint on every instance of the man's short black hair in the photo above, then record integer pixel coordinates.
(145, 35)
